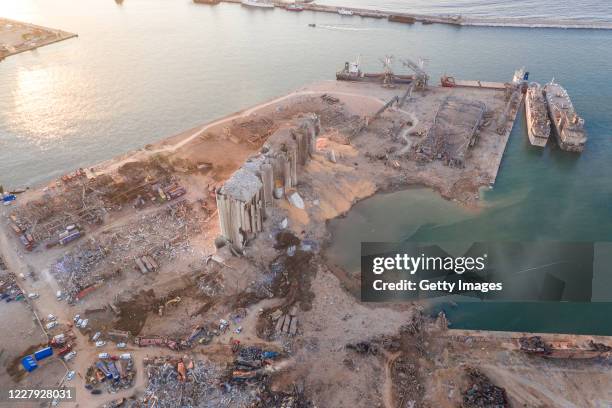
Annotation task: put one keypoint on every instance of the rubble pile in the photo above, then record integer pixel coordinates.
(363, 347)
(73, 271)
(9, 290)
(482, 392)
(194, 384)
(293, 399)
(211, 284)
(534, 344)
(407, 387)
(111, 373)
(74, 201)
(159, 236)
(599, 346)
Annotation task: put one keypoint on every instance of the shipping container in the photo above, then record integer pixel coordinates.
(70, 237)
(43, 353)
(28, 363)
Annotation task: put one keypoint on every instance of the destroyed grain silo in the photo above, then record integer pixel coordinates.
(243, 199)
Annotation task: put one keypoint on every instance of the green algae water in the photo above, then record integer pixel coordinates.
(142, 70)
(421, 215)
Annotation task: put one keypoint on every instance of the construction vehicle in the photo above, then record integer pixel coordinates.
(173, 301)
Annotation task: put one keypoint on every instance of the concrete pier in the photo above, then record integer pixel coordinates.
(456, 20)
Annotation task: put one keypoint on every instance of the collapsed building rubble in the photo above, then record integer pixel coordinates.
(242, 200)
(454, 131)
(140, 245)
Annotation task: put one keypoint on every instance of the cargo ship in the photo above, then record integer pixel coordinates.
(352, 72)
(538, 124)
(257, 4)
(567, 125)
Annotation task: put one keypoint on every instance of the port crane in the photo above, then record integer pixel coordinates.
(388, 71)
(421, 77)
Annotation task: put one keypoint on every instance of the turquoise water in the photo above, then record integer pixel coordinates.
(145, 69)
(419, 214)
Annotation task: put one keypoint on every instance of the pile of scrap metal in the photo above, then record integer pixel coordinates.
(243, 199)
(482, 392)
(251, 363)
(9, 290)
(142, 341)
(534, 345)
(187, 383)
(145, 264)
(21, 230)
(111, 372)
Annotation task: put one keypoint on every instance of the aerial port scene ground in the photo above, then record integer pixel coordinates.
(188, 190)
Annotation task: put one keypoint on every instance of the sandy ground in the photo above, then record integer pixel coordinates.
(16, 37)
(424, 365)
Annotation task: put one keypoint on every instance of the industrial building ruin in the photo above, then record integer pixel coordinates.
(243, 198)
(454, 130)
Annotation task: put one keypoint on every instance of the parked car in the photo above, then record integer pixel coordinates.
(50, 325)
(100, 343)
(58, 295)
(69, 356)
(51, 317)
(96, 336)
(33, 295)
(121, 345)
(70, 375)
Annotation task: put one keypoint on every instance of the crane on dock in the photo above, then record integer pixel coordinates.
(388, 76)
(421, 77)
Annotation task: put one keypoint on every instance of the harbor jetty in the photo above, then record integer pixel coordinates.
(17, 37)
(452, 19)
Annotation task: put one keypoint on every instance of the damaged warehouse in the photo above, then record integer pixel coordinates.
(242, 200)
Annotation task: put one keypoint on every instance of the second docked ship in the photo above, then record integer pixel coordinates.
(567, 125)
